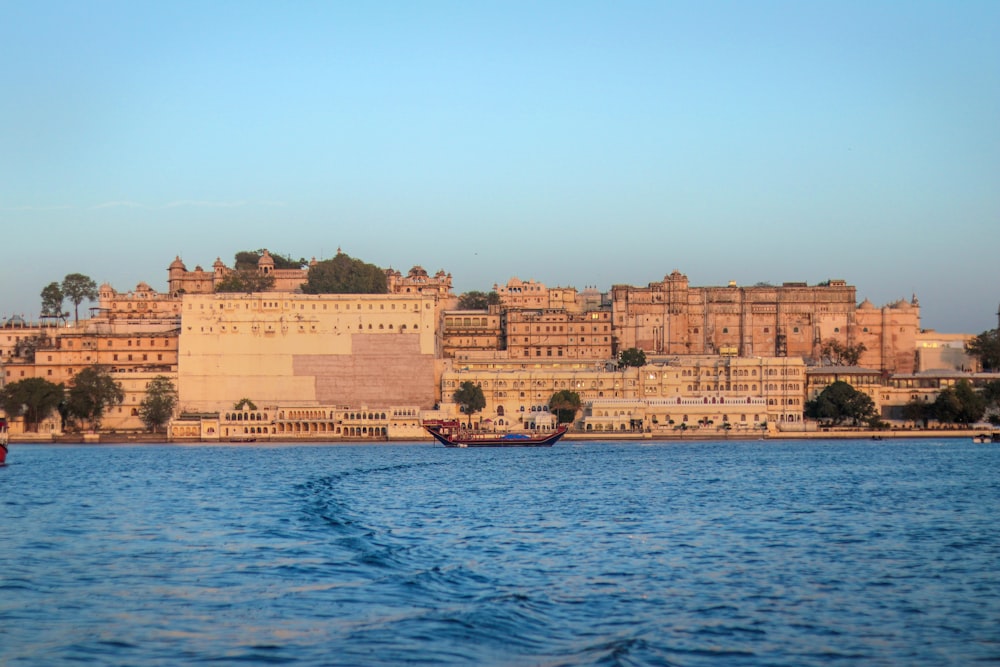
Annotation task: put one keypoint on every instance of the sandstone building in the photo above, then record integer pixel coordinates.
(704, 391)
(372, 366)
(547, 333)
(792, 320)
(376, 350)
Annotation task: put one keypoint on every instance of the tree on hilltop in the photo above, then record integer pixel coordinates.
(77, 288)
(247, 259)
(246, 281)
(345, 275)
(475, 300)
(52, 301)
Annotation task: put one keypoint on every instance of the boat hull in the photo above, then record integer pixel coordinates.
(463, 439)
(3, 453)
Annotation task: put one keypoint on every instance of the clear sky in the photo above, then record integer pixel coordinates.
(575, 143)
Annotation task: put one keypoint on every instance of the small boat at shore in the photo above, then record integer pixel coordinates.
(983, 438)
(453, 434)
(3, 441)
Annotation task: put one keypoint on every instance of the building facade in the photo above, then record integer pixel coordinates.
(475, 332)
(688, 392)
(199, 281)
(557, 333)
(792, 320)
(286, 349)
(418, 281)
(142, 304)
(519, 294)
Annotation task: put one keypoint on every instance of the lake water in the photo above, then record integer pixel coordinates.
(749, 553)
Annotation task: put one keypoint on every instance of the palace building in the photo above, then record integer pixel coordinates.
(418, 281)
(374, 365)
(686, 392)
(792, 320)
(142, 304)
(546, 333)
(283, 349)
(181, 281)
(519, 294)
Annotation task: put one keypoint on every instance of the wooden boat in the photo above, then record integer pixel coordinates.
(453, 434)
(3, 441)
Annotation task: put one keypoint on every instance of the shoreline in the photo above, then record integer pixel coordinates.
(861, 434)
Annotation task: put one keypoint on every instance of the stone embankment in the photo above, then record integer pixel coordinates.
(692, 435)
(831, 434)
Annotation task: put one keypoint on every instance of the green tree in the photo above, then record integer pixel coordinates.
(247, 259)
(973, 403)
(478, 300)
(469, 396)
(991, 392)
(52, 301)
(946, 406)
(918, 411)
(33, 398)
(836, 354)
(565, 403)
(840, 402)
(78, 288)
(986, 348)
(345, 275)
(991, 400)
(959, 404)
(633, 356)
(157, 407)
(92, 392)
(246, 281)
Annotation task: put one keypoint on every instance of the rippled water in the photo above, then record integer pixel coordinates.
(755, 553)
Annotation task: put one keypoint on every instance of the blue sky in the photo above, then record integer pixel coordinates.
(575, 143)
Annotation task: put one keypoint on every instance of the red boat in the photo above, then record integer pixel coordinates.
(453, 434)
(3, 441)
